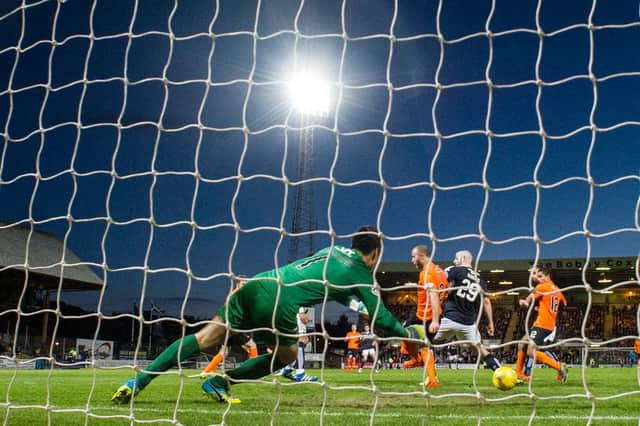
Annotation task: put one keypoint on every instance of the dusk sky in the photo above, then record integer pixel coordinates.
(105, 149)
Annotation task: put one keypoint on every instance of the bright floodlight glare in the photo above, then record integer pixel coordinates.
(309, 95)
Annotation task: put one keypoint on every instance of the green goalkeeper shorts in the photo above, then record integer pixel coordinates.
(252, 306)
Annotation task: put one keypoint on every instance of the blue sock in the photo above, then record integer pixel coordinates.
(528, 366)
(492, 362)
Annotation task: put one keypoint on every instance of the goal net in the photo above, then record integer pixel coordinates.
(155, 152)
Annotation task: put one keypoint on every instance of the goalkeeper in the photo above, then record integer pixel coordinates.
(253, 305)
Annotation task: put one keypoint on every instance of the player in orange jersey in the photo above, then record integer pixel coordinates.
(637, 349)
(353, 348)
(431, 277)
(549, 297)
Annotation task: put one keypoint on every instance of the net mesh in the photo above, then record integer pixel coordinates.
(135, 127)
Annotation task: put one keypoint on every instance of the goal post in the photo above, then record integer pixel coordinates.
(155, 153)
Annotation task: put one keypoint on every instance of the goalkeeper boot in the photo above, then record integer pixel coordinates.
(125, 392)
(218, 389)
(301, 376)
(563, 373)
(523, 379)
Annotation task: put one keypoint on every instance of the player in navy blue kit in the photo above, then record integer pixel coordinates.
(462, 306)
(368, 349)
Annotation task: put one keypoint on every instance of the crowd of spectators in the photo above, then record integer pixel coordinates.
(403, 311)
(571, 319)
(501, 318)
(624, 320)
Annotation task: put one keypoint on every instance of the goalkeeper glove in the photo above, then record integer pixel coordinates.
(359, 307)
(416, 332)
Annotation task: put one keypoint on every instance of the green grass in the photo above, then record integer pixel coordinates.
(79, 396)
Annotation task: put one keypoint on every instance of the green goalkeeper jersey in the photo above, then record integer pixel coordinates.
(334, 274)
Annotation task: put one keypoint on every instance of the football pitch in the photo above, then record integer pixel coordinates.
(390, 397)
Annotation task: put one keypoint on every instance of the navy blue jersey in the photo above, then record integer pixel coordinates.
(463, 302)
(367, 340)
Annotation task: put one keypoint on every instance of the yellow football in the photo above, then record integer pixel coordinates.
(504, 378)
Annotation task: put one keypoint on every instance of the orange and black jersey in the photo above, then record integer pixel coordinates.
(434, 277)
(353, 340)
(549, 297)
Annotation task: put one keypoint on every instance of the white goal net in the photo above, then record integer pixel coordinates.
(152, 154)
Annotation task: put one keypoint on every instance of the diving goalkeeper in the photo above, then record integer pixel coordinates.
(252, 306)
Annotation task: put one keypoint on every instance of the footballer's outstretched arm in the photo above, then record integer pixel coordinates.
(488, 311)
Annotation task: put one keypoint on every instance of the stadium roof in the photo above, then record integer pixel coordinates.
(44, 259)
(506, 274)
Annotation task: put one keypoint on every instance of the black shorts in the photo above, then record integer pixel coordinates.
(239, 339)
(538, 335)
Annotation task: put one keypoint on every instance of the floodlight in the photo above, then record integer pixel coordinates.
(309, 94)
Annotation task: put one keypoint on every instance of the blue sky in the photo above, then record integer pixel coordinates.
(350, 146)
